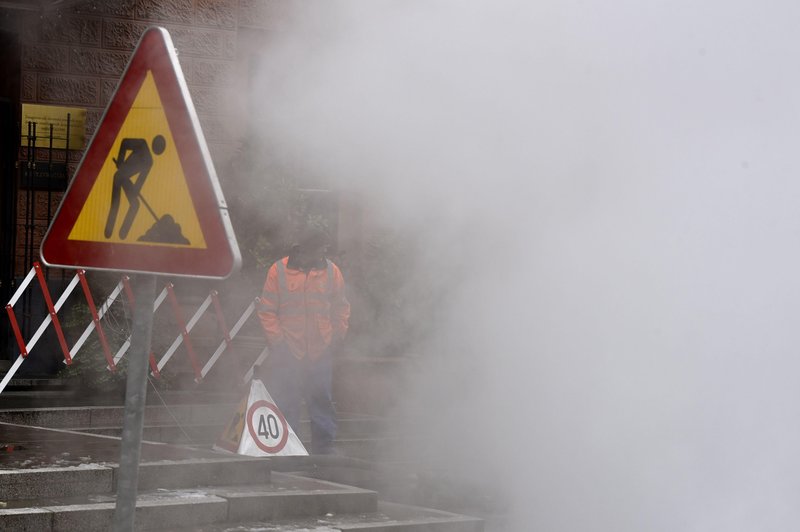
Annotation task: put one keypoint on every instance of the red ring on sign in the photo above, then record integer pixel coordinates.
(269, 406)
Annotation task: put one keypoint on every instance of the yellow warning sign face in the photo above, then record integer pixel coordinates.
(232, 434)
(141, 195)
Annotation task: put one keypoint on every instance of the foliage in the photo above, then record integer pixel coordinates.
(90, 366)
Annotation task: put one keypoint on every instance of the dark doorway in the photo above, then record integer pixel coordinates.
(9, 142)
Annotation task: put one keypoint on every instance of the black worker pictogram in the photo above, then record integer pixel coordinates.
(134, 162)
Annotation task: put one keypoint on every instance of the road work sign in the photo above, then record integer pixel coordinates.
(145, 197)
(264, 432)
(231, 437)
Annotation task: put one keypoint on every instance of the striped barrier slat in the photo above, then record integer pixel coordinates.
(100, 313)
(225, 343)
(261, 358)
(176, 310)
(96, 320)
(21, 288)
(53, 310)
(154, 366)
(179, 339)
(156, 304)
(220, 316)
(24, 348)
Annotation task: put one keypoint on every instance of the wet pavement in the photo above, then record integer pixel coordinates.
(25, 447)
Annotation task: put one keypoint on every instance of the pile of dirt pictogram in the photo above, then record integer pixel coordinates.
(165, 231)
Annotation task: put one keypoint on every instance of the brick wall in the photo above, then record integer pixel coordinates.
(75, 55)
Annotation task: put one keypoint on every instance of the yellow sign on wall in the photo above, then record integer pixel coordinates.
(45, 115)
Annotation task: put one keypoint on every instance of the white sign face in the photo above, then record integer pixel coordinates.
(267, 432)
(267, 426)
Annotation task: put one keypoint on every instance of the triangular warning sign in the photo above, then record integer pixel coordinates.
(231, 437)
(145, 197)
(258, 428)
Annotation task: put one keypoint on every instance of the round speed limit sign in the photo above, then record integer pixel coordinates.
(267, 426)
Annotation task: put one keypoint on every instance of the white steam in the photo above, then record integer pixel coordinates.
(609, 192)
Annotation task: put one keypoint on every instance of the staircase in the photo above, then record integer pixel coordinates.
(371, 455)
(207, 494)
(199, 425)
(21, 392)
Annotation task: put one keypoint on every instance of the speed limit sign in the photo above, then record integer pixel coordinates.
(267, 426)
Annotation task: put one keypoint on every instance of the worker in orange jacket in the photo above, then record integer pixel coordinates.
(305, 314)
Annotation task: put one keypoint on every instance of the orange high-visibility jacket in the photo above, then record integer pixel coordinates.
(307, 310)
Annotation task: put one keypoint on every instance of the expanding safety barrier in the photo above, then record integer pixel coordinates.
(210, 303)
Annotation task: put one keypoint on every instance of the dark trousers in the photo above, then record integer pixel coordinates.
(291, 381)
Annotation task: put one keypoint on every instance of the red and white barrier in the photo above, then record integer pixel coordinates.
(183, 337)
(123, 286)
(97, 315)
(261, 358)
(126, 286)
(229, 337)
(52, 317)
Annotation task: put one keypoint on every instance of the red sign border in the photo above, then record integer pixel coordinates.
(155, 52)
(266, 448)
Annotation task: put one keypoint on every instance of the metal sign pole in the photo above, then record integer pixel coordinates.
(135, 394)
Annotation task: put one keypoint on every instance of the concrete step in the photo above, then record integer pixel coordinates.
(70, 393)
(389, 517)
(186, 488)
(286, 496)
(96, 479)
(24, 484)
(104, 416)
(349, 427)
(109, 417)
(26, 447)
(204, 511)
(26, 398)
(35, 383)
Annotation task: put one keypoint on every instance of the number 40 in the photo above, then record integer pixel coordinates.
(268, 428)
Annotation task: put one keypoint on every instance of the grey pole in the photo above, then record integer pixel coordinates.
(135, 394)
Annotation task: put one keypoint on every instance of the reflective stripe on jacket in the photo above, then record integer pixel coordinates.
(307, 310)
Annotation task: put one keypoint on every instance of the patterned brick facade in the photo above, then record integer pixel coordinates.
(74, 56)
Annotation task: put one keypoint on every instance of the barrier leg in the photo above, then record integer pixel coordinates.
(261, 358)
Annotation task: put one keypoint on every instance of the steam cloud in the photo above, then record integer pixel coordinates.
(608, 194)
